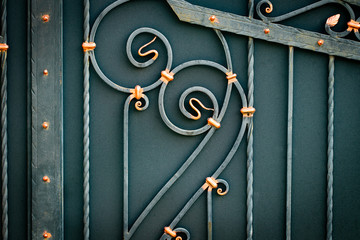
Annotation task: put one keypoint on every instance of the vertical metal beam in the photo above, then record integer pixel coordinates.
(4, 147)
(289, 142)
(46, 119)
(330, 151)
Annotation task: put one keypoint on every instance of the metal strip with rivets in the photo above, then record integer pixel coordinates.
(258, 29)
(45, 43)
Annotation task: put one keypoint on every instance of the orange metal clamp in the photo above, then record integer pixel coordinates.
(169, 231)
(88, 46)
(247, 111)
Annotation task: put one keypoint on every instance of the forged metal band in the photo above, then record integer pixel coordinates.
(4, 47)
(168, 230)
(211, 182)
(88, 46)
(248, 111)
(214, 123)
(167, 76)
(231, 77)
(353, 25)
(330, 150)
(137, 92)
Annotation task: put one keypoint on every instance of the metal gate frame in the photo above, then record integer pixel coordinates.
(46, 133)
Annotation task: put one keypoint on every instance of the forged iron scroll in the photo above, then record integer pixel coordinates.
(139, 94)
(278, 33)
(331, 22)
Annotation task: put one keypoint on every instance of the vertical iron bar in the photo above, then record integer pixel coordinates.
(86, 119)
(330, 151)
(289, 142)
(250, 138)
(126, 170)
(4, 148)
(209, 211)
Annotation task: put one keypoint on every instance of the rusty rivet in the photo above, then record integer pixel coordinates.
(46, 72)
(320, 42)
(266, 31)
(46, 235)
(45, 18)
(46, 179)
(45, 125)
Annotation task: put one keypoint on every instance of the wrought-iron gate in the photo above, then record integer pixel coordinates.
(179, 119)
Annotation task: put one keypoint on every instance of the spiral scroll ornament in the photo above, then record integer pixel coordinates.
(139, 95)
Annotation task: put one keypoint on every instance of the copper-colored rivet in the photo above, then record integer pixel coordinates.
(46, 179)
(45, 125)
(266, 31)
(45, 72)
(45, 18)
(46, 235)
(320, 42)
(213, 19)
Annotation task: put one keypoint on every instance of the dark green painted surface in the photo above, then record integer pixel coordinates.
(156, 152)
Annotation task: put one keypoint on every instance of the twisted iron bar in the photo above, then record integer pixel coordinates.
(250, 136)
(4, 142)
(330, 151)
(250, 143)
(86, 122)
